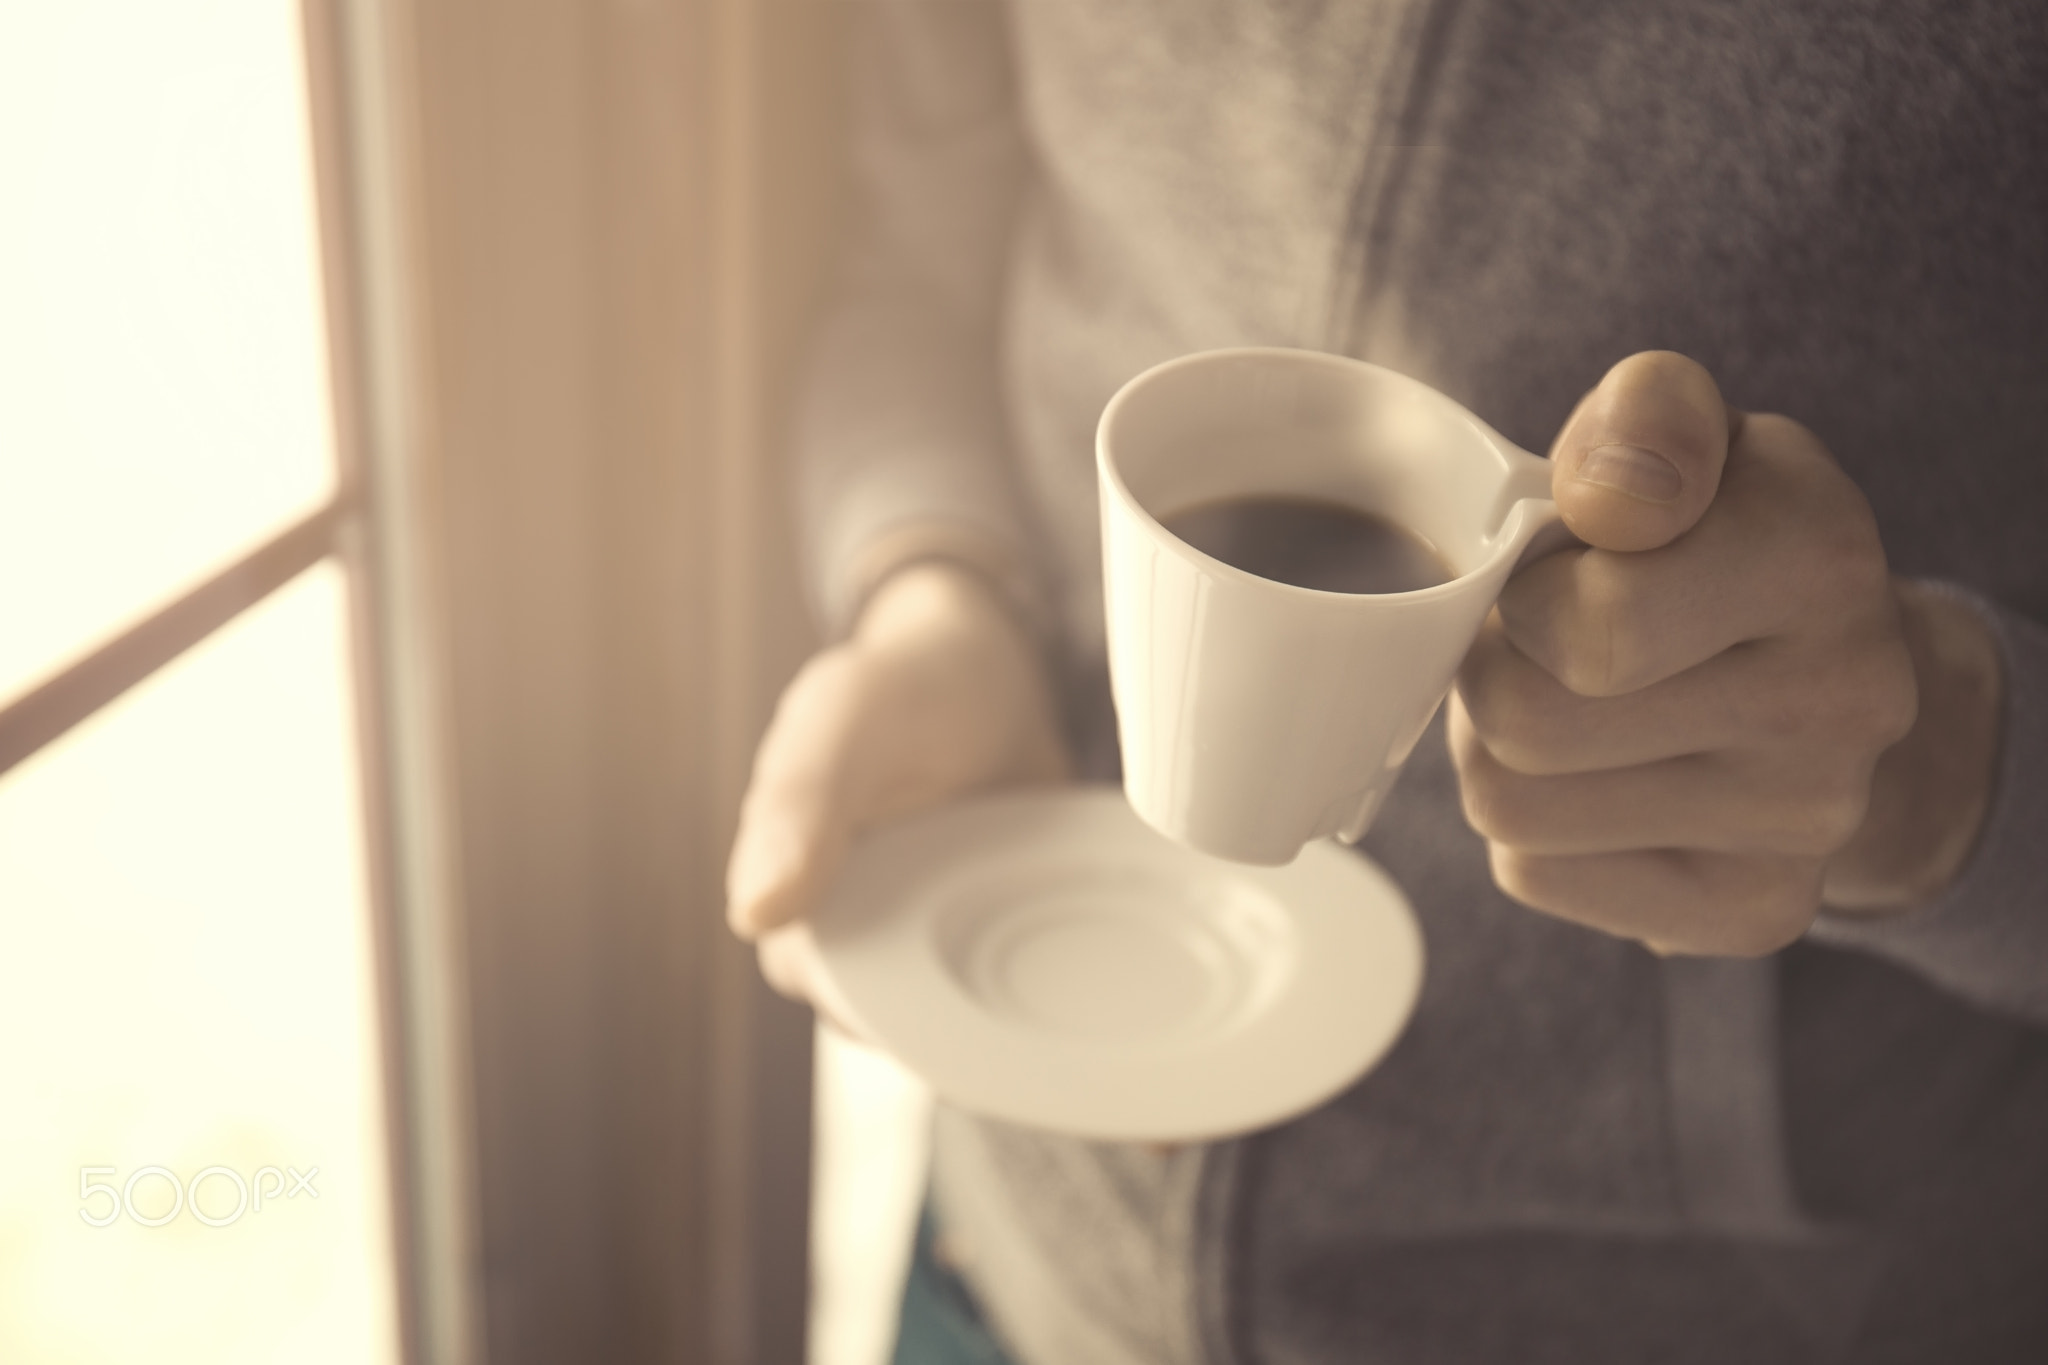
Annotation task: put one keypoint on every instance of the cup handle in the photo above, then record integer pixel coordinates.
(1526, 511)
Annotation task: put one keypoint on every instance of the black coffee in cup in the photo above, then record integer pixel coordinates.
(1312, 544)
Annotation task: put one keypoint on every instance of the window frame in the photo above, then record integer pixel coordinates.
(569, 252)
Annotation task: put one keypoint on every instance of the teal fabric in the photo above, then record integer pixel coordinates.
(940, 1323)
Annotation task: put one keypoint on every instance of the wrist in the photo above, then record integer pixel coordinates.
(928, 595)
(949, 646)
(923, 544)
(1930, 792)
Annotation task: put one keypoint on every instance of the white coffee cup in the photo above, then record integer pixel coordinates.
(1256, 716)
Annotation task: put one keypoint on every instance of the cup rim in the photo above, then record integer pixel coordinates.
(1114, 478)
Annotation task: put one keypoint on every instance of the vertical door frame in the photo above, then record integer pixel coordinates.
(571, 246)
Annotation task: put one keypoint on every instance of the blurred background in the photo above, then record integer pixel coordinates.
(393, 582)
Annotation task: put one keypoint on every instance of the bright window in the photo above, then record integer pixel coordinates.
(185, 984)
(163, 399)
(191, 1135)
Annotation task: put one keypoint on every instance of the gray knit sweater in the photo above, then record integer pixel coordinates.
(1577, 1152)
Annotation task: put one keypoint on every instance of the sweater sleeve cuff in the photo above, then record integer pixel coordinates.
(1986, 937)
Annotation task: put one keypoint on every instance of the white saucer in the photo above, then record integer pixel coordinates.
(1046, 958)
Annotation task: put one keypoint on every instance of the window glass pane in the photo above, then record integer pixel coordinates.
(185, 983)
(163, 398)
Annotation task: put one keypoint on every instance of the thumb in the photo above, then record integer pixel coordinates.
(1639, 460)
(794, 826)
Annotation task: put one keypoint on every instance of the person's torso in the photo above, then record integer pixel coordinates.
(1842, 210)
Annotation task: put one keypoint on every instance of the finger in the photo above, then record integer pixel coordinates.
(1639, 460)
(1534, 724)
(791, 963)
(1725, 803)
(1768, 695)
(1788, 546)
(1706, 903)
(794, 828)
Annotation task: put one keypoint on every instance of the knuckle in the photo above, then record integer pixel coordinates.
(1815, 509)
(1759, 933)
(1487, 697)
(1514, 719)
(1761, 937)
(1792, 451)
(1872, 700)
(1838, 818)
(1853, 699)
(778, 967)
(1477, 800)
(1845, 566)
(1778, 432)
(1492, 805)
(1532, 753)
(1785, 716)
(1777, 910)
(1844, 560)
(1892, 699)
(1518, 878)
(1588, 673)
(1820, 825)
